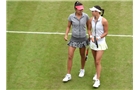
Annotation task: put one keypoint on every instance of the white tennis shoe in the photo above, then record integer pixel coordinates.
(96, 83)
(67, 78)
(82, 73)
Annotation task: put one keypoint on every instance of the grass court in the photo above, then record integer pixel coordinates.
(39, 61)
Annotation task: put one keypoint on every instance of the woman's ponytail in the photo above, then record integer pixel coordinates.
(102, 12)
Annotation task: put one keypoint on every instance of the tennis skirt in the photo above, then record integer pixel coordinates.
(78, 42)
(101, 46)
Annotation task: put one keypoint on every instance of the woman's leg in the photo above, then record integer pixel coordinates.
(69, 63)
(98, 63)
(97, 56)
(82, 54)
(94, 56)
(70, 58)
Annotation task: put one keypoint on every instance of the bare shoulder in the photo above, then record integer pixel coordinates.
(104, 19)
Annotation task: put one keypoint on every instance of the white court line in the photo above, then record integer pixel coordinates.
(25, 32)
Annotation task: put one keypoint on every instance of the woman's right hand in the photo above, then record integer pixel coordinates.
(92, 39)
(66, 37)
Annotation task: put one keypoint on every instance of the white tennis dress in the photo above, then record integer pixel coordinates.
(102, 45)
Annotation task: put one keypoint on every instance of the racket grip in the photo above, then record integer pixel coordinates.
(86, 54)
(95, 41)
(86, 57)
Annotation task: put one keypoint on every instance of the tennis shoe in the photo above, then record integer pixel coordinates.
(67, 78)
(82, 73)
(96, 83)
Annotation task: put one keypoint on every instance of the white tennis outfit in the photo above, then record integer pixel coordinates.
(102, 45)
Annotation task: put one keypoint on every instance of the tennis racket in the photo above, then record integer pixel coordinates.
(95, 41)
(95, 35)
(87, 53)
(87, 50)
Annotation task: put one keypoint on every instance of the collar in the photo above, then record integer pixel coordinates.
(100, 17)
(81, 16)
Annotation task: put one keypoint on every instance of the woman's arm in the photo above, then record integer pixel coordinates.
(105, 26)
(67, 31)
(89, 30)
(89, 27)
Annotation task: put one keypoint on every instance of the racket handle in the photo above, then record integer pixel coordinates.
(86, 54)
(86, 57)
(95, 41)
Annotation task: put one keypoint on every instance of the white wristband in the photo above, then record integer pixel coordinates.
(90, 36)
(98, 38)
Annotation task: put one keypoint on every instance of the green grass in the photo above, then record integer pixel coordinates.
(39, 62)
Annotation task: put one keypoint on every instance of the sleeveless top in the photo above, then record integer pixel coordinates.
(99, 29)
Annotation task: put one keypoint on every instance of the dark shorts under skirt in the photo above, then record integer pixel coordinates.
(78, 42)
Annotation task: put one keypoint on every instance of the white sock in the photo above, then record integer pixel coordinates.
(69, 74)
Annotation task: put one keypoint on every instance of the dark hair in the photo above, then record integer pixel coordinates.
(77, 3)
(98, 7)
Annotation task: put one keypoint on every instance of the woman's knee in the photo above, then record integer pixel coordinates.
(70, 57)
(98, 62)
